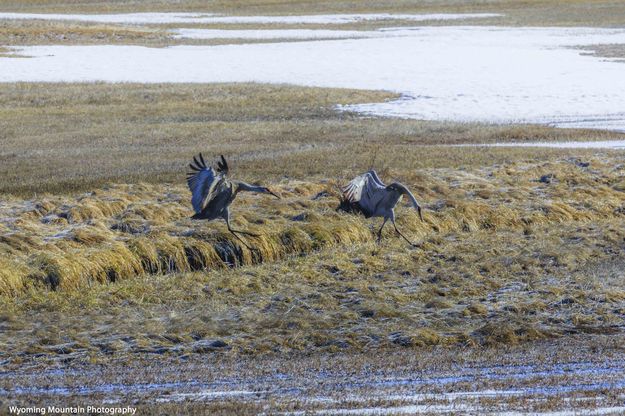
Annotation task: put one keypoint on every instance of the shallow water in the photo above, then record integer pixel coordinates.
(469, 74)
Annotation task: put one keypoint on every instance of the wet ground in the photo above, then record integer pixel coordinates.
(568, 377)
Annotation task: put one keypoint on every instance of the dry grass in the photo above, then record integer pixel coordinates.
(41, 32)
(128, 133)
(46, 32)
(606, 50)
(528, 12)
(503, 258)
(150, 279)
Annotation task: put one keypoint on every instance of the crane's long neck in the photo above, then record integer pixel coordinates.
(242, 186)
(410, 196)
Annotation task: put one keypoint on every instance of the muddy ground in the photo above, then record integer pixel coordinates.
(579, 375)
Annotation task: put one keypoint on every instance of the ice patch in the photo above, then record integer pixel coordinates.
(208, 18)
(454, 408)
(205, 395)
(272, 34)
(614, 410)
(467, 74)
(462, 408)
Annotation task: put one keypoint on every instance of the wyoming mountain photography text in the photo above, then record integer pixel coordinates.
(91, 410)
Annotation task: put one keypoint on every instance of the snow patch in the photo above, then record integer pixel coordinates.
(271, 34)
(462, 408)
(205, 395)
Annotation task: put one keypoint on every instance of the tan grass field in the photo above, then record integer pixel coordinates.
(76, 137)
(526, 12)
(503, 257)
(95, 212)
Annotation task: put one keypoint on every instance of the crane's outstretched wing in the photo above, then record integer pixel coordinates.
(376, 178)
(365, 190)
(201, 182)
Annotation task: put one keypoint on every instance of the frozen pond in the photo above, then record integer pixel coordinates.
(275, 34)
(459, 73)
(209, 18)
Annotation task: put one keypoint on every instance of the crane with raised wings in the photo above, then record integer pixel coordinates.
(368, 194)
(213, 192)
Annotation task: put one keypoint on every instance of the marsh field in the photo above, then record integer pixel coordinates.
(512, 300)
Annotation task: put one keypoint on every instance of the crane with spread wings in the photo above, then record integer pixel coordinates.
(368, 194)
(213, 192)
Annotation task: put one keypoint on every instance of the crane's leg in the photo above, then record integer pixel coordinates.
(242, 232)
(380, 230)
(399, 232)
(235, 232)
(240, 239)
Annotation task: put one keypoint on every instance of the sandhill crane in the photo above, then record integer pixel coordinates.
(212, 192)
(367, 194)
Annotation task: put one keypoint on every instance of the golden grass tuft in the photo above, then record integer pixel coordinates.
(13, 277)
(508, 333)
(74, 270)
(515, 267)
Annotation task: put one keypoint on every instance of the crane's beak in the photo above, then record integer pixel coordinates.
(420, 214)
(269, 192)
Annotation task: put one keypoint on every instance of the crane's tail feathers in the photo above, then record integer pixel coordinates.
(346, 205)
(348, 192)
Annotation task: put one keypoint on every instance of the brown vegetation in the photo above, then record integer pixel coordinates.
(509, 249)
(611, 50)
(75, 137)
(508, 253)
(528, 13)
(43, 32)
